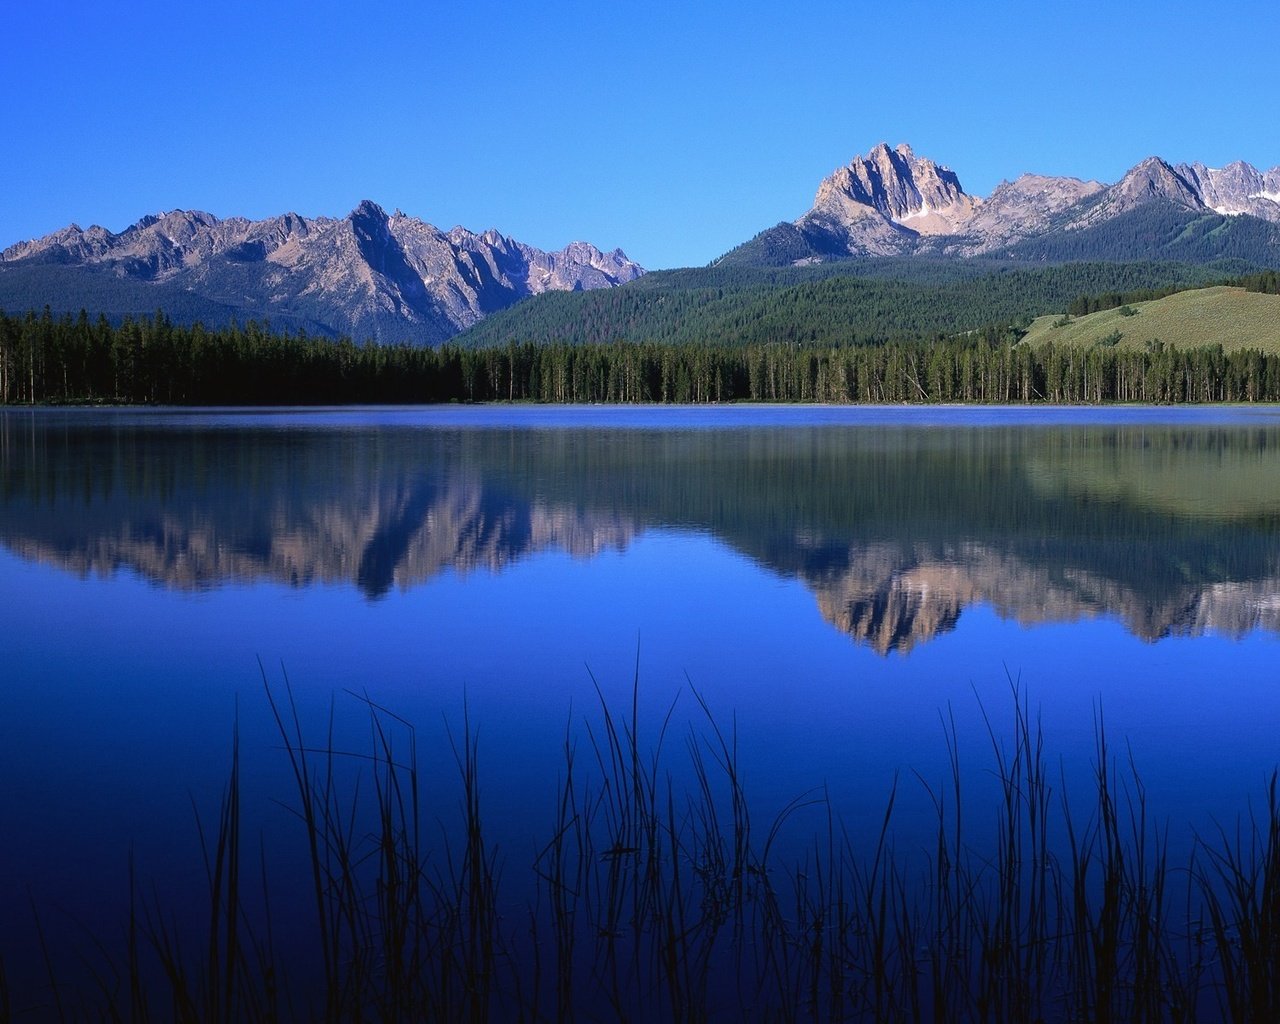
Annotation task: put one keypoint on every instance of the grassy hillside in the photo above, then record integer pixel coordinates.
(1230, 317)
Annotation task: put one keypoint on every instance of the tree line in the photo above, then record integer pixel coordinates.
(58, 360)
(1267, 282)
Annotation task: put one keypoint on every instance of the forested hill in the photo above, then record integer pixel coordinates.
(852, 302)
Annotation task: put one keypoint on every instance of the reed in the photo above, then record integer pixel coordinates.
(655, 895)
(1240, 877)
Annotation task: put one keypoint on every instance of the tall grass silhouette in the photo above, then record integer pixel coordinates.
(657, 894)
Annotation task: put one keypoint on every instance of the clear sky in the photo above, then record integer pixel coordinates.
(673, 130)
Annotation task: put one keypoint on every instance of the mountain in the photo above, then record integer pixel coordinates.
(366, 275)
(881, 202)
(892, 202)
(1153, 180)
(1238, 188)
(1027, 206)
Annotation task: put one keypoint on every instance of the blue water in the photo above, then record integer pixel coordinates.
(502, 563)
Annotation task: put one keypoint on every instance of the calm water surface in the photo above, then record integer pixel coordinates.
(833, 580)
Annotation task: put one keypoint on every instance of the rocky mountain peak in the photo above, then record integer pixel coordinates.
(291, 224)
(584, 251)
(906, 191)
(368, 210)
(1235, 189)
(881, 203)
(181, 227)
(1154, 178)
(1025, 206)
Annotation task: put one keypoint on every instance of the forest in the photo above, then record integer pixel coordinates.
(76, 360)
(840, 303)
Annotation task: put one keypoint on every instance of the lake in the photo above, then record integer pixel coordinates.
(851, 592)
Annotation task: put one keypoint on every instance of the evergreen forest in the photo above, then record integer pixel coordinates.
(841, 303)
(814, 339)
(47, 360)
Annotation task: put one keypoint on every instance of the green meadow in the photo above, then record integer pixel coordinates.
(1231, 317)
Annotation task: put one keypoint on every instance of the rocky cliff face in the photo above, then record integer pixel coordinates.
(1238, 188)
(1150, 181)
(1026, 206)
(367, 275)
(882, 201)
(908, 190)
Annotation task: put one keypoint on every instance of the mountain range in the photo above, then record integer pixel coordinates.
(396, 278)
(892, 202)
(367, 275)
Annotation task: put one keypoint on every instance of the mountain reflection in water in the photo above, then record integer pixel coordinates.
(895, 529)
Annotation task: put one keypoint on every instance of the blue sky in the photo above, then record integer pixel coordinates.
(672, 130)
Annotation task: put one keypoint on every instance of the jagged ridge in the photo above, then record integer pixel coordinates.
(892, 202)
(367, 275)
